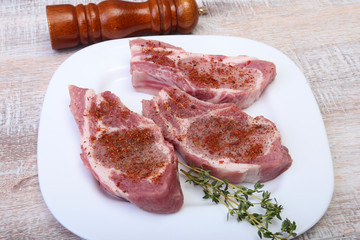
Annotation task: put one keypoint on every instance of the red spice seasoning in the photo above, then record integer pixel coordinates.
(229, 138)
(202, 71)
(131, 152)
(179, 105)
(108, 108)
(158, 54)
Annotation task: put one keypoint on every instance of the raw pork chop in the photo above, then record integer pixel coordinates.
(126, 152)
(220, 137)
(212, 78)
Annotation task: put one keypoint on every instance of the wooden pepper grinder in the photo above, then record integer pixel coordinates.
(70, 26)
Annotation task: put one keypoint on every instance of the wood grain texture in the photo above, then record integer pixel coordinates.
(322, 37)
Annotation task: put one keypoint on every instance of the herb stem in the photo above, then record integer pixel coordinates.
(237, 200)
(205, 188)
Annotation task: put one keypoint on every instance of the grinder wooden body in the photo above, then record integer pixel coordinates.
(70, 26)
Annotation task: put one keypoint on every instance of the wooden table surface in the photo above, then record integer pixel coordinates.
(322, 37)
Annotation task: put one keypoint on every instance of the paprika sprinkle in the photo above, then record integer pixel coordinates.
(228, 138)
(131, 152)
(202, 71)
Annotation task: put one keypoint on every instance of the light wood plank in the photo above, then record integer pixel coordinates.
(322, 37)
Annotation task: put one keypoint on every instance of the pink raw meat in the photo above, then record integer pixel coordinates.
(126, 152)
(219, 137)
(212, 78)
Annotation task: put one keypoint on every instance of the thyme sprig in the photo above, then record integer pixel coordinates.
(240, 202)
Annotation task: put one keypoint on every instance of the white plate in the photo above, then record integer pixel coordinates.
(79, 203)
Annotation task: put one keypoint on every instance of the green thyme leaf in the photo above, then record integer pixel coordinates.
(241, 201)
